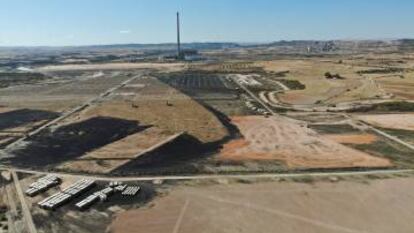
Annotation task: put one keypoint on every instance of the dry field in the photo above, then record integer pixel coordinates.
(363, 138)
(163, 112)
(381, 206)
(319, 89)
(391, 121)
(277, 138)
(68, 93)
(148, 113)
(161, 106)
(402, 88)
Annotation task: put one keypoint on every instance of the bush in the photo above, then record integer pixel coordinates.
(328, 75)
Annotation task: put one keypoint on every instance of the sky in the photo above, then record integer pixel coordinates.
(96, 22)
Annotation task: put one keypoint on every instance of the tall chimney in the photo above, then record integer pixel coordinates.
(178, 36)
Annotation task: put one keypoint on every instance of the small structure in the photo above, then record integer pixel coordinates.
(102, 195)
(42, 184)
(95, 197)
(131, 191)
(60, 198)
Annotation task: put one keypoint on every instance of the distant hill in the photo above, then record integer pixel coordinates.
(140, 47)
(167, 46)
(281, 47)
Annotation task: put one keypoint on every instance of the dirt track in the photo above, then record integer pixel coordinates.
(382, 206)
(299, 147)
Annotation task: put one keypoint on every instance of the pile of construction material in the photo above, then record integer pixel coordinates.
(42, 184)
(105, 193)
(58, 199)
(97, 196)
(67, 194)
(131, 191)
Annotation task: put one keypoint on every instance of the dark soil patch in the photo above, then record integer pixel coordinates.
(382, 71)
(405, 135)
(72, 141)
(399, 155)
(166, 158)
(21, 117)
(334, 129)
(8, 79)
(401, 106)
(293, 84)
(200, 85)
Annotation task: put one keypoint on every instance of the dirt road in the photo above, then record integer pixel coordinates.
(25, 209)
(222, 176)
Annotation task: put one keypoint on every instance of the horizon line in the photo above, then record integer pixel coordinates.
(203, 42)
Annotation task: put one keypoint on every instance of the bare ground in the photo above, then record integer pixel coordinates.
(279, 139)
(382, 206)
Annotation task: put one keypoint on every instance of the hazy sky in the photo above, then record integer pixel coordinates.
(85, 22)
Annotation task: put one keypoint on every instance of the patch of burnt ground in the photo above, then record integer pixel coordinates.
(16, 118)
(49, 148)
(169, 158)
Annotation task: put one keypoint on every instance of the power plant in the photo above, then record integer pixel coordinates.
(184, 54)
(179, 54)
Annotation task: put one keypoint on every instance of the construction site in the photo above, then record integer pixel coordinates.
(232, 138)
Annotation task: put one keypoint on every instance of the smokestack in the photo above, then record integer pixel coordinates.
(178, 36)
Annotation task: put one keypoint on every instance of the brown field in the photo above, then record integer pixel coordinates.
(346, 207)
(277, 138)
(149, 107)
(352, 138)
(318, 88)
(69, 92)
(160, 111)
(400, 88)
(391, 121)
